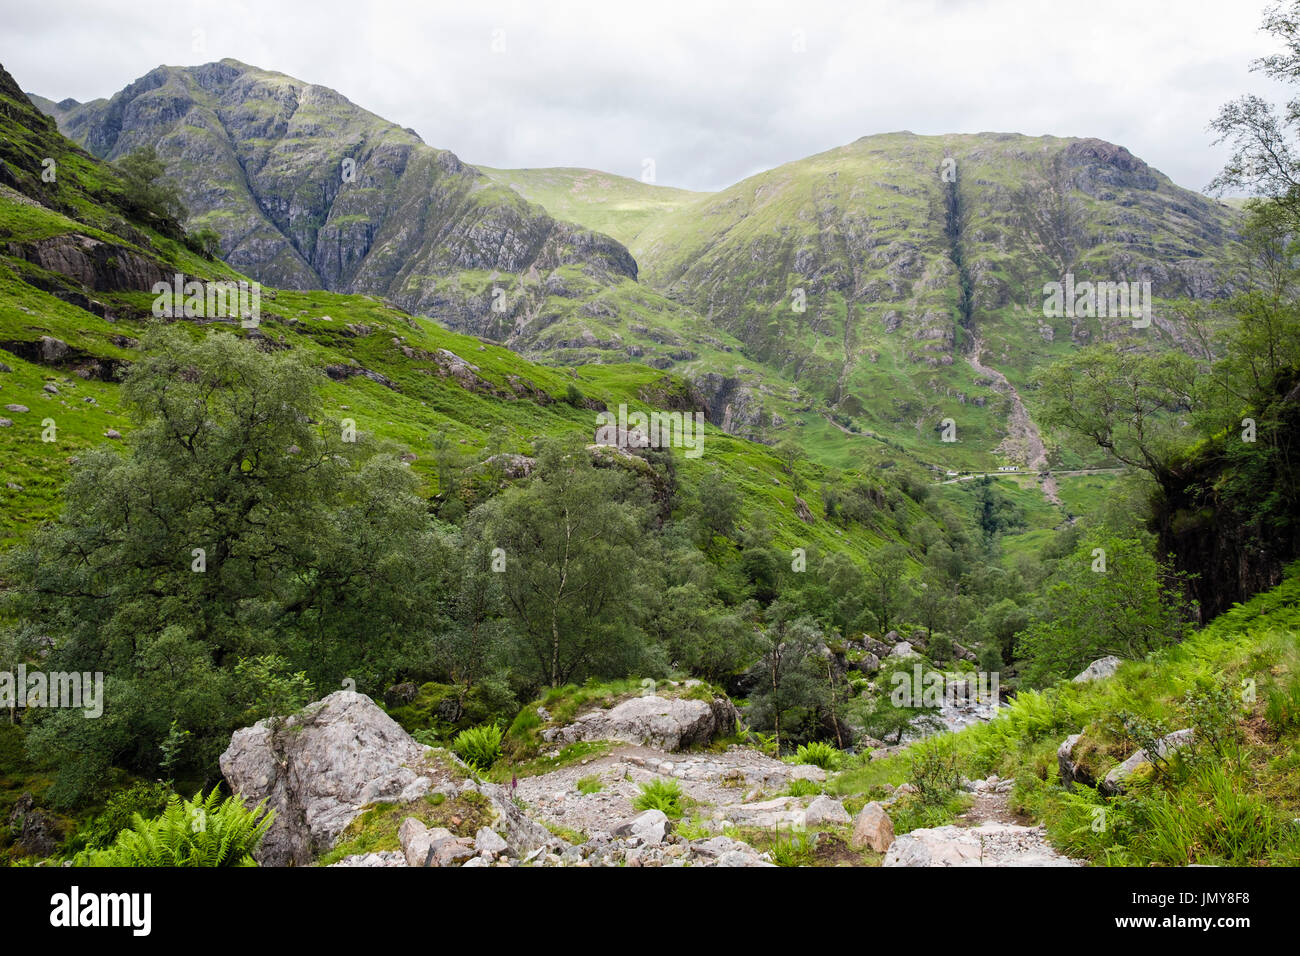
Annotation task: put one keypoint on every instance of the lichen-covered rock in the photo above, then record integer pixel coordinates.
(666, 723)
(320, 767)
(1119, 776)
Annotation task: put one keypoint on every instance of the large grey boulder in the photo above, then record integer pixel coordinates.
(649, 826)
(1119, 775)
(664, 723)
(825, 810)
(318, 768)
(1097, 670)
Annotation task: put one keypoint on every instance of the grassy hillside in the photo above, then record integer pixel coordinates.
(1231, 799)
(615, 205)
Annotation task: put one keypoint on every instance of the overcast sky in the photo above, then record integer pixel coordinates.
(712, 92)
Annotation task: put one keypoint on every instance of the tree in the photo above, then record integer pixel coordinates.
(571, 544)
(718, 503)
(146, 194)
(1110, 597)
(886, 590)
(790, 688)
(1125, 403)
(233, 527)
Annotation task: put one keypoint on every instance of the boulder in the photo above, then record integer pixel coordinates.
(320, 767)
(1071, 772)
(52, 349)
(902, 649)
(868, 663)
(1119, 775)
(649, 826)
(666, 724)
(1098, 669)
(991, 844)
(825, 810)
(489, 843)
(872, 829)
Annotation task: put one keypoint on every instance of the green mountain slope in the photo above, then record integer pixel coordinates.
(615, 205)
(911, 250)
(75, 298)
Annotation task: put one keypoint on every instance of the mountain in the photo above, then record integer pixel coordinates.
(309, 191)
(892, 287)
(918, 254)
(615, 205)
(76, 273)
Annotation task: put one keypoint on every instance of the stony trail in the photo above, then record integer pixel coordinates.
(1023, 433)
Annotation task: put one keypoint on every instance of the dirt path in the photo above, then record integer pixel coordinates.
(1021, 428)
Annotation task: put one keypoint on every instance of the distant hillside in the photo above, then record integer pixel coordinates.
(905, 251)
(615, 205)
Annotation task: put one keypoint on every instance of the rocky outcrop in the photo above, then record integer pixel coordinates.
(34, 832)
(320, 767)
(990, 844)
(665, 723)
(1097, 670)
(1117, 779)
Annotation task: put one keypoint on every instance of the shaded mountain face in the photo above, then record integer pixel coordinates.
(308, 190)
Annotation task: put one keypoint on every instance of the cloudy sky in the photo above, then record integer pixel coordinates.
(713, 92)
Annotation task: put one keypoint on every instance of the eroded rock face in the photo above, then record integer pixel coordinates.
(320, 768)
(665, 723)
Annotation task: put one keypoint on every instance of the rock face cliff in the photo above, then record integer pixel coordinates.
(308, 190)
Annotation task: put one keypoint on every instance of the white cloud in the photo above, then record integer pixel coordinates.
(712, 91)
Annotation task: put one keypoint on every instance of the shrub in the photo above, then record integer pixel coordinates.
(143, 798)
(935, 773)
(205, 831)
(480, 747)
(819, 754)
(661, 794)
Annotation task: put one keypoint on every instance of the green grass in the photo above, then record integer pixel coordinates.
(375, 828)
(1205, 810)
